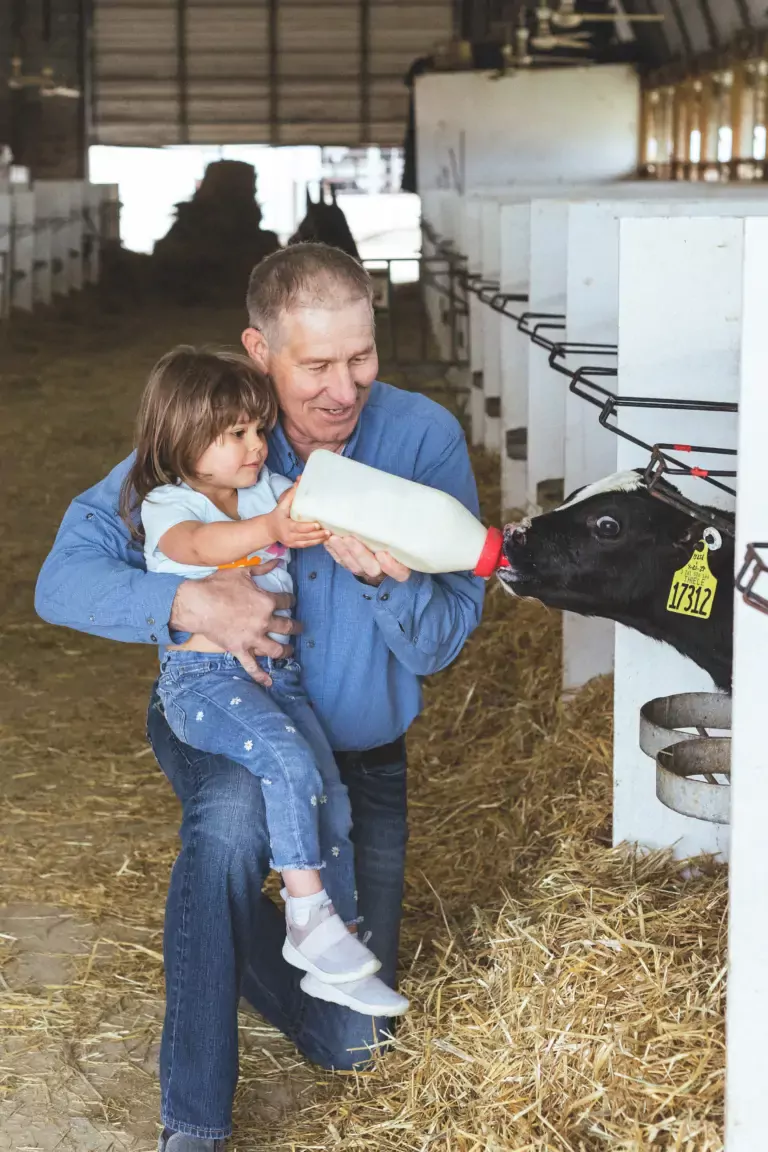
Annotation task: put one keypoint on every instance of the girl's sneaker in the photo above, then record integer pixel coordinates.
(325, 948)
(370, 995)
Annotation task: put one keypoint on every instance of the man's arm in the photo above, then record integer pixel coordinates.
(425, 619)
(94, 580)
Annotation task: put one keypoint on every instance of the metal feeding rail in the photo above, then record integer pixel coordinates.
(583, 383)
(752, 569)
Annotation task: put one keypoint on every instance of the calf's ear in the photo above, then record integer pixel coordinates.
(690, 535)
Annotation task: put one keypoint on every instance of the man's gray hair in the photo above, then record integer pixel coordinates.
(305, 275)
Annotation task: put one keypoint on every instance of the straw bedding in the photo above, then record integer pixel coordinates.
(565, 995)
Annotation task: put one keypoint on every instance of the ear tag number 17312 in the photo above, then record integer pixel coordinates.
(693, 586)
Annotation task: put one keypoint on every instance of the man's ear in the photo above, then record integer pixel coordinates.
(255, 344)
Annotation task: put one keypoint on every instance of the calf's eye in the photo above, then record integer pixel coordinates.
(607, 528)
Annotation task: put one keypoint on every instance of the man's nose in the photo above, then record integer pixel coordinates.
(342, 388)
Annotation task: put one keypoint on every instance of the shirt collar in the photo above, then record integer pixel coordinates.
(283, 458)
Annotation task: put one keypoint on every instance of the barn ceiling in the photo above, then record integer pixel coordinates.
(689, 28)
(257, 71)
(694, 27)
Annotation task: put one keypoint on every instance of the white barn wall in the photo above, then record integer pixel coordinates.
(559, 125)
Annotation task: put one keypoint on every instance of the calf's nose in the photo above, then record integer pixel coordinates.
(514, 534)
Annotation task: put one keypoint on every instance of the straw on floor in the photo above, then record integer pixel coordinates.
(566, 996)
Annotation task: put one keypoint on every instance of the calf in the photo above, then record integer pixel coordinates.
(614, 550)
(325, 224)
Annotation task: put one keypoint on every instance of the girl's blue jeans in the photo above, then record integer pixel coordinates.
(212, 704)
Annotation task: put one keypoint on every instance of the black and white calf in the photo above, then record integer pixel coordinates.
(616, 551)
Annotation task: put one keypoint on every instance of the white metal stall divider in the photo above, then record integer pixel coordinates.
(515, 255)
(59, 223)
(469, 246)
(592, 317)
(74, 236)
(5, 253)
(548, 269)
(490, 266)
(689, 353)
(22, 249)
(747, 1011)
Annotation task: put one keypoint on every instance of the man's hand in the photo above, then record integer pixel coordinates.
(372, 567)
(233, 613)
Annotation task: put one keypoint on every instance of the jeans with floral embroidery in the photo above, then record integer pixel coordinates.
(212, 704)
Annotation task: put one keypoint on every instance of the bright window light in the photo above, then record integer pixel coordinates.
(695, 146)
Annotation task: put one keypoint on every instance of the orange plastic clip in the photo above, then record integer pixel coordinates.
(244, 563)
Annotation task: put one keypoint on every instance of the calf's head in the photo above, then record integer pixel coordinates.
(610, 550)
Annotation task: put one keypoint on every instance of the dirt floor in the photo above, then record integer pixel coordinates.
(89, 837)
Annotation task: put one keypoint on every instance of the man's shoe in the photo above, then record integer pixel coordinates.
(179, 1142)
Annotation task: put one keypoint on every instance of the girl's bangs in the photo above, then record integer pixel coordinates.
(239, 399)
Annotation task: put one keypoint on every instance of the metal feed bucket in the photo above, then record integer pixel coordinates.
(676, 786)
(681, 756)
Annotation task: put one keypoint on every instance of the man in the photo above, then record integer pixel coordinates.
(371, 630)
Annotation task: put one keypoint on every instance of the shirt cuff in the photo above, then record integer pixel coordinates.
(395, 596)
(154, 620)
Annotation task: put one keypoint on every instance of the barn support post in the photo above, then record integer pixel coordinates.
(692, 352)
(747, 1011)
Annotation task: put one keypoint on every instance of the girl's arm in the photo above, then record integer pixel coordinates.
(208, 545)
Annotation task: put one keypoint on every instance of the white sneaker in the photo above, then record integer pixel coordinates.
(370, 995)
(325, 948)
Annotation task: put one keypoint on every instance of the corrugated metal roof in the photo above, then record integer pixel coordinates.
(259, 71)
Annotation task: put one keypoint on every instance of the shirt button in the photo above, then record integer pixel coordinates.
(366, 596)
(310, 643)
(313, 575)
(89, 515)
(92, 619)
(150, 620)
(153, 638)
(385, 596)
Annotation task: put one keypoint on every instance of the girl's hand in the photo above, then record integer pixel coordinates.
(291, 533)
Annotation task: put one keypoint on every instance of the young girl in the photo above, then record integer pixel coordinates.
(207, 501)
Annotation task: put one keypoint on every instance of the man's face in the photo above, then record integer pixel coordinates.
(323, 362)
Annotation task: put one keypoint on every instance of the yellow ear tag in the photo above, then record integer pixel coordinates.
(693, 586)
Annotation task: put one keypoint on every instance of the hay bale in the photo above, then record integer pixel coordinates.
(215, 240)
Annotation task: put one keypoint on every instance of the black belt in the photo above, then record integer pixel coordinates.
(374, 757)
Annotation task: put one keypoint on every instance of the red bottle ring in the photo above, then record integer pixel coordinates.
(491, 556)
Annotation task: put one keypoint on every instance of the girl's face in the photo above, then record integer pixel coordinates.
(236, 458)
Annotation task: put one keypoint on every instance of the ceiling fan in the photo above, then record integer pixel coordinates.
(565, 16)
(45, 82)
(516, 46)
(545, 40)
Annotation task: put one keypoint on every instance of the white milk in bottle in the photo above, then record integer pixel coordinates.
(423, 528)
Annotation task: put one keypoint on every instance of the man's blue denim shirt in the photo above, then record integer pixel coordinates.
(363, 650)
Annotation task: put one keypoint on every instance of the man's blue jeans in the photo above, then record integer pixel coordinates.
(223, 937)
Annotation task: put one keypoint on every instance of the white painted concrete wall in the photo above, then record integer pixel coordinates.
(557, 125)
(747, 1013)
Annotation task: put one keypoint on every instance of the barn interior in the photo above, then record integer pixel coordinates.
(563, 210)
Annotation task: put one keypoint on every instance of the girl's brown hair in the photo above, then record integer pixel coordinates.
(192, 397)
